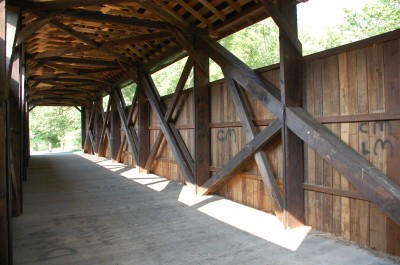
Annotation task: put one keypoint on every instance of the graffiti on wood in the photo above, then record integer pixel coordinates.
(225, 134)
(380, 144)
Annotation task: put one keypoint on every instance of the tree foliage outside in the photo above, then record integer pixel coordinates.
(55, 127)
(128, 92)
(372, 19)
(167, 78)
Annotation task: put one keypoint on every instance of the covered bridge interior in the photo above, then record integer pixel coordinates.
(314, 140)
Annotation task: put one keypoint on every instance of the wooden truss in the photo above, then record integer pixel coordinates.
(296, 124)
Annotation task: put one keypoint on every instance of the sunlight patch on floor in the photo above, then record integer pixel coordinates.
(112, 166)
(255, 222)
(152, 181)
(188, 197)
(258, 223)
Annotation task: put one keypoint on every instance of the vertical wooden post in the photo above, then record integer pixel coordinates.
(88, 126)
(201, 119)
(15, 135)
(5, 246)
(24, 128)
(143, 130)
(98, 123)
(291, 94)
(115, 129)
(83, 127)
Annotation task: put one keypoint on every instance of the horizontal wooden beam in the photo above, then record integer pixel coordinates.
(138, 38)
(81, 61)
(100, 17)
(63, 4)
(63, 51)
(240, 158)
(75, 72)
(335, 192)
(60, 79)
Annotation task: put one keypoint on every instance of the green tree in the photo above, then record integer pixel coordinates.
(372, 19)
(54, 125)
(127, 92)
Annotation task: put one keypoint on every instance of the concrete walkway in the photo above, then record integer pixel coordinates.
(85, 210)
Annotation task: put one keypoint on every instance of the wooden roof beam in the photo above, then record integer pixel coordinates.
(81, 61)
(60, 79)
(63, 51)
(100, 17)
(75, 72)
(88, 41)
(139, 38)
(63, 4)
(29, 30)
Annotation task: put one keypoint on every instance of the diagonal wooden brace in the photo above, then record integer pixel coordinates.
(251, 132)
(165, 127)
(168, 115)
(129, 133)
(240, 158)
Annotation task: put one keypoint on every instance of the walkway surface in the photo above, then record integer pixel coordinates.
(85, 210)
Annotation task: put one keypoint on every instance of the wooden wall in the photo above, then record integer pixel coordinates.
(355, 91)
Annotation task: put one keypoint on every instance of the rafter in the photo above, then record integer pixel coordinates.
(29, 30)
